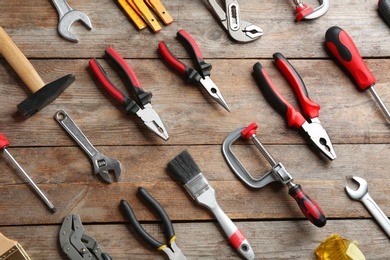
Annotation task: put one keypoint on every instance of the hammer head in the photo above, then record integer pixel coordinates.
(44, 96)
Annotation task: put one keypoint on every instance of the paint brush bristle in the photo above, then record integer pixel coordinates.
(183, 167)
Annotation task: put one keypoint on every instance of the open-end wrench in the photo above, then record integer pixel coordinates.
(67, 16)
(362, 195)
(102, 164)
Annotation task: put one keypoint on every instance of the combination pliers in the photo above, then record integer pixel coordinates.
(312, 127)
(144, 109)
(170, 248)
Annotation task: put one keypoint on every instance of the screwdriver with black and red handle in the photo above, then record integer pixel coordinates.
(344, 49)
(4, 143)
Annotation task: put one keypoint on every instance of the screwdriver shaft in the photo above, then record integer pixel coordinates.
(40, 193)
(380, 102)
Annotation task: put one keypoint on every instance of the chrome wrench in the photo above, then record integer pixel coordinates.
(102, 164)
(67, 16)
(362, 195)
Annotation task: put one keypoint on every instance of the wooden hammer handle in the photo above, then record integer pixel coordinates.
(19, 62)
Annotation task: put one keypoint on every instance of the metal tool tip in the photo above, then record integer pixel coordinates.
(53, 210)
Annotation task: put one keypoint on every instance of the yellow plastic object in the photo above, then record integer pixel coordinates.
(337, 248)
(133, 15)
(160, 10)
(149, 18)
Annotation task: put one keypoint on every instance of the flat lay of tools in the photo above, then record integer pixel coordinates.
(126, 129)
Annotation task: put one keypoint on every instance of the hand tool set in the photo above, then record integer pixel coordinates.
(170, 248)
(313, 129)
(139, 13)
(102, 164)
(144, 109)
(67, 16)
(278, 173)
(344, 49)
(307, 13)
(184, 169)
(230, 18)
(199, 75)
(77, 245)
(4, 143)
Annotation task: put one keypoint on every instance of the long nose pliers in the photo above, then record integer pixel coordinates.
(144, 109)
(313, 128)
(170, 248)
(199, 75)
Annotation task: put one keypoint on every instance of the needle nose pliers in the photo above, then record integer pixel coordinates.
(313, 128)
(143, 110)
(171, 249)
(199, 75)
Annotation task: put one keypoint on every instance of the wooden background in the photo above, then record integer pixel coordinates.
(268, 217)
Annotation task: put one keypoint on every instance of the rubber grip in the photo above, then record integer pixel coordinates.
(4, 143)
(169, 231)
(310, 108)
(308, 206)
(137, 227)
(344, 49)
(384, 10)
(192, 47)
(294, 118)
(101, 75)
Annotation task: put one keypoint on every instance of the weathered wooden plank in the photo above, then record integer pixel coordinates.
(348, 115)
(204, 240)
(33, 26)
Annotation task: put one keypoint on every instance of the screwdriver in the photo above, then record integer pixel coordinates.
(4, 143)
(344, 49)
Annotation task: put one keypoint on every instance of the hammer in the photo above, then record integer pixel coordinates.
(43, 93)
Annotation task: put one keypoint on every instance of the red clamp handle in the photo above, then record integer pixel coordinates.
(249, 131)
(344, 49)
(308, 206)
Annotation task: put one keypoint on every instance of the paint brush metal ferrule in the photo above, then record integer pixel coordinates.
(197, 186)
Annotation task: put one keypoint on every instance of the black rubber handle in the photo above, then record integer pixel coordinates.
(170, 232)
(384, 10)
(106, 256)
(137, 227)
(308, 206)
(192, 47)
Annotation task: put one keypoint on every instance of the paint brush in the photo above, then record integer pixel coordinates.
(11, 249)
(185, 170)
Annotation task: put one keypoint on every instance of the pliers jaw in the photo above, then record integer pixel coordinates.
(319, 137)
(214, 92)
(153, 121)
(247, 33)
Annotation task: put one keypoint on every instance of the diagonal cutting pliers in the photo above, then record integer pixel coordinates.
(170, 248)
(313, 128)
(144, 110)
(199, 75)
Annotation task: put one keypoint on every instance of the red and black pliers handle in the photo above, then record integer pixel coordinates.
(202, 68)
(170, 232)
(294, 118)
(131, 105)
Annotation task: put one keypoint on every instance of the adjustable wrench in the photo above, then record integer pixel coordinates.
(102, 164)
(67, 16)
(362, 195)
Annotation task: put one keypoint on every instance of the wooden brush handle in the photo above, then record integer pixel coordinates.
(19, 62)
(6, 244)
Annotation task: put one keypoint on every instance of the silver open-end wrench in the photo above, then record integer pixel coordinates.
(67, 16)
(102, 164)
(362, 195)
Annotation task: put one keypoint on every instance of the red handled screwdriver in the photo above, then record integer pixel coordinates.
(344, 49)
(4, 143)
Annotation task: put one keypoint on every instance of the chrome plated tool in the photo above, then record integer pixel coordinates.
(230, 18)
(361, 194)
(278, 173)
(77, 245)
(307, 13)
(67, 16)
(102, 164)
(4, 143)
